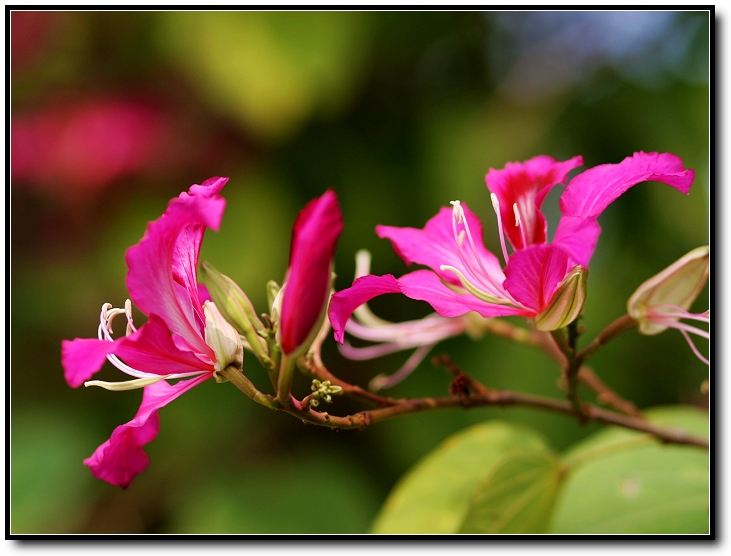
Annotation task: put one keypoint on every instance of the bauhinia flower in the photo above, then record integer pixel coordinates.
(185, 336)
(663, 300)
(540, 280)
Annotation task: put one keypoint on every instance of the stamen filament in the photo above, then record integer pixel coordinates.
(693, 348)
(127, 384)
(483, 278)
(496, 208)
(382, 381)
(484, 296)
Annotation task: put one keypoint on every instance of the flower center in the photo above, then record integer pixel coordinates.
(105, 333)
(476, 279)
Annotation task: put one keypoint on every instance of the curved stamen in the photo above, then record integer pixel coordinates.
(381, 381)
(693, 348)
(105, 333)
(128, 312)
(678, 312)
(431, 328)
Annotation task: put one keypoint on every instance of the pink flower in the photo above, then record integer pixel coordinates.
(185, 336)
(540, 280)
(307, 283)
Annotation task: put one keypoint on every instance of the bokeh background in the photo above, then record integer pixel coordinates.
(114, 113)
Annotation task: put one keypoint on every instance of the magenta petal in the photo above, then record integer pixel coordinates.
(365, 288)
(163, 265)
(592, 191)
(151, 349)
(577, 236)
(314, 237)
(533, 274)
(526, 185)
(82, 358)
(424, 285)
(119, 459)
(435, 245)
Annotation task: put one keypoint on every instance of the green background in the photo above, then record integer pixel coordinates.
(399, 113)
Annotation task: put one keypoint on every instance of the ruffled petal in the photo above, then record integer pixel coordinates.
(314, 237)
(533, 274)
(526, 185)
(578, 237)
(435, 245)
(162, 266)
(365, 288)
(82, 358)
(119, 459)
(592, 191)
(424, 285)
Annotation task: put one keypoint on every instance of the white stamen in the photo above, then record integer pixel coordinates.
(126, 384)
(496, 208)
(128, 312)
(478, 271)
(104, 332)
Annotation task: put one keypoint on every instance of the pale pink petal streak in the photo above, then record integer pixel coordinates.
(523, 186)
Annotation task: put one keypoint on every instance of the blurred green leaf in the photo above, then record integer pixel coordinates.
(435, 496)
(270, 70)
(517, 497)
(314, 493)
(622, 482)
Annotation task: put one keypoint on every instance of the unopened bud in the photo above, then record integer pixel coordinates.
(669, 292)
(223, 339)
(566, 302)
(236, 308)
(274, 300)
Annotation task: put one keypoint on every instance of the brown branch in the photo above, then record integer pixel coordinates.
(502, 398)
(622, 324)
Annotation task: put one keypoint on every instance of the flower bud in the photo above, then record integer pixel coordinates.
(667, 296)
(236, 308)
(567, 301)
(307, 287)
(223, 339)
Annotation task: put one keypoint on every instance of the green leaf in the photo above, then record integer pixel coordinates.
(623, 482)
(517, 497)
(434, 497)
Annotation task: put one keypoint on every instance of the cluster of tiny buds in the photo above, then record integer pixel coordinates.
(323, 391)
